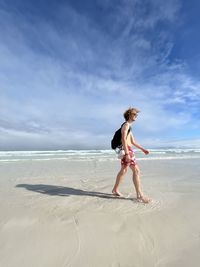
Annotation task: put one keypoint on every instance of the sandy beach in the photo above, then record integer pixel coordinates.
(61, 213)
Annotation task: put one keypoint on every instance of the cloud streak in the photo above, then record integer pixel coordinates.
(66, 79)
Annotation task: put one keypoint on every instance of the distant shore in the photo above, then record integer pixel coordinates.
(95, 154)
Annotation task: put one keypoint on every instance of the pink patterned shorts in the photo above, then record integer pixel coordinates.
(132, 160)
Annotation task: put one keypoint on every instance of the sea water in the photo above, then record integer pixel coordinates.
(99, 155)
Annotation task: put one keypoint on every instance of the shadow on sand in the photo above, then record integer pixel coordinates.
(63, 191)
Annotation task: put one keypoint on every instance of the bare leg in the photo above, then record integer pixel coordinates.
(119, 178)
(137, 184)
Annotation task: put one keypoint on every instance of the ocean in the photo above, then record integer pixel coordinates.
(98, 155)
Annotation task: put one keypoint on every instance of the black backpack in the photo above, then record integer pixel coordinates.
(116, 142)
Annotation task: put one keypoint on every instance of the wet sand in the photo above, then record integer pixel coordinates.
(61, 213)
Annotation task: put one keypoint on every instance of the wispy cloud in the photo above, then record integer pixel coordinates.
(66, 79)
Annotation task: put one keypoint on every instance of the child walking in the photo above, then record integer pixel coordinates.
(129, 160)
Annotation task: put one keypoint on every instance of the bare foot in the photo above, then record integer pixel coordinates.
(144, 199)
(117, 193)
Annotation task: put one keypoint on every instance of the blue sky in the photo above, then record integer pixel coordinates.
(69, 69)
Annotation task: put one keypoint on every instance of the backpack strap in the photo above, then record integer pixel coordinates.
(128, 129)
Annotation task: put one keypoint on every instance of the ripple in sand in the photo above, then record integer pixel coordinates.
(20, 222)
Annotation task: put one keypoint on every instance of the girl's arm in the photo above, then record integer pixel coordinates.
(133, 142)
(124, 137)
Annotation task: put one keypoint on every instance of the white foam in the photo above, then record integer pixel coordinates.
(99, 155)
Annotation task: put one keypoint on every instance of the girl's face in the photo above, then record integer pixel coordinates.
(134, 116)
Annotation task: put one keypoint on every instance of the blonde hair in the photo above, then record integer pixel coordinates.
(129, 112)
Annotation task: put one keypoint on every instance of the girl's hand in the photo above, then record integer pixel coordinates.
(127, 158)
(146, 152)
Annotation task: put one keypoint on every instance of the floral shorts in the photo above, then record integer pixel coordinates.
(132, 160)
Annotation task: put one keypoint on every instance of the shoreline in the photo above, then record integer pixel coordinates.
(113, 158)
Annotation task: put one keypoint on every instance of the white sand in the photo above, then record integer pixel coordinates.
(57, 213)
